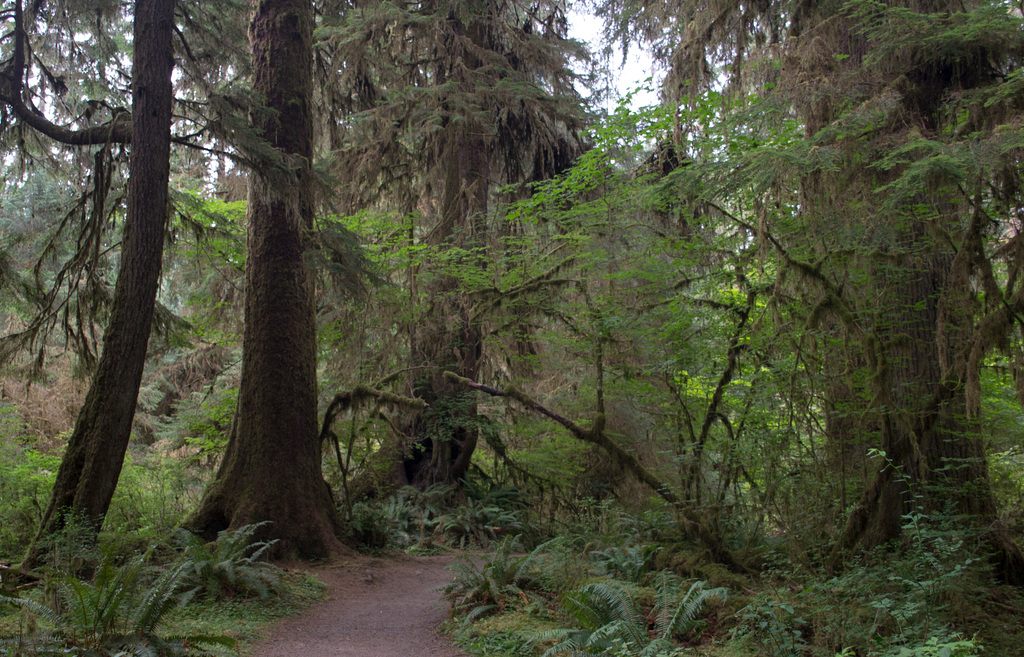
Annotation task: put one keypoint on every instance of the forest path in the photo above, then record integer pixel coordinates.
(373, 608)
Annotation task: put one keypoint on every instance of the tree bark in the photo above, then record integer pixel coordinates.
(272, 467)
(91, 465)
(934, 455)
(445, 436)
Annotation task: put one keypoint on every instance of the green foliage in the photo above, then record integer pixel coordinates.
(677, 612)
(629, 563)
(246, 619)
(117, 613)
(208, 421)
(589, 521)
(495, 644)
(154, 494)
(610, 619)
(483, 517)
(952, 646)
(427, 504)
(72, 549)
(380, 525)
(230, 565)
(501, 581)
(201, 420)
(477, 523)
(648, 525)
(411, 515)
(26, 478)
(942, 647)
(774, 627)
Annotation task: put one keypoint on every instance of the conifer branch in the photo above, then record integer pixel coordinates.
(116, 131)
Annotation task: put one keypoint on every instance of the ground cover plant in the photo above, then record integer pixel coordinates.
(202, 600)
(917, 604)
(117, 611)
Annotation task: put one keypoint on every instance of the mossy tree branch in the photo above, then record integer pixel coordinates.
(353, 399)
(595, 435)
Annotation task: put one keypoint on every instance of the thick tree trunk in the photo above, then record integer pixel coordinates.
(91, 465)
(450, 340)
(446, 433)
(934, 454)
(271, 470)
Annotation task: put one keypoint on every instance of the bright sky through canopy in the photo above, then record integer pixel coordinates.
(625, 76)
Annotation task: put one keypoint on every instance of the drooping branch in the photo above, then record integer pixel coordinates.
(359, 395)
(595, 435)
(116, 131)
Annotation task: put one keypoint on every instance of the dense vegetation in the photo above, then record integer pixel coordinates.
(739, 373)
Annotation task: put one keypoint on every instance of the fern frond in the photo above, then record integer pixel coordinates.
(620, 603)
(40, 610)
(571, 641)
(158, 600)
(478, 612)
(582, 612)
(677, 614)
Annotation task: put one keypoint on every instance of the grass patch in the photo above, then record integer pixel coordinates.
(509, 634)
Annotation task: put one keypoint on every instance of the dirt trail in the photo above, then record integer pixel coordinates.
(373, 608)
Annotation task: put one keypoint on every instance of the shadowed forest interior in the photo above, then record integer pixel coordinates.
(738, 372)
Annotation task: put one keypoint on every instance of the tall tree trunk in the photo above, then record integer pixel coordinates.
(934, 455)
(271, 470)
(445, 436)
(451, 339)
(91, 465)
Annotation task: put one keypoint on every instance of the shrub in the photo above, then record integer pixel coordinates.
(610, 619)
(630, 563)
(477, 522)
(26, 479)
(478, 591)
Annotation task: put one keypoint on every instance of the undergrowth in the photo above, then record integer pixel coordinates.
(647, 594)
(205, 600)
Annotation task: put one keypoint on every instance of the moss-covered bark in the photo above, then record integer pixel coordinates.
(271, 469)
(92, 463)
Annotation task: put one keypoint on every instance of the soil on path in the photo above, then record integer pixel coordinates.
(373, 608)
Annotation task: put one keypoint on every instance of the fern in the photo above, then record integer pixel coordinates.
(608, 617)
(606, 614)
(112, 615)
(628, 563)
(677, 613)
(229, 565)
(481, 590)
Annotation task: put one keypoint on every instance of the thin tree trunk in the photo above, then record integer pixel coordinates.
(272, 467)
(91, 465)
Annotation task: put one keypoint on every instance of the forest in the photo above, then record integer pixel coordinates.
(736, 372)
